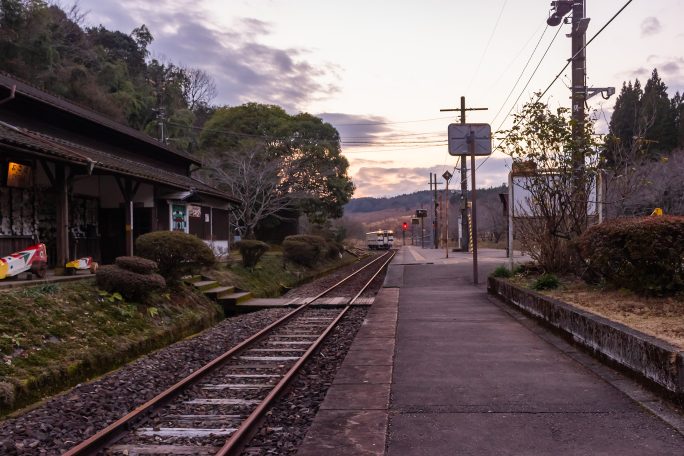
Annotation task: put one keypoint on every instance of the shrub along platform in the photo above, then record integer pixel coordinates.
(646, 357)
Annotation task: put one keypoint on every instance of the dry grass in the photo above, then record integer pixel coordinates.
(661, 317)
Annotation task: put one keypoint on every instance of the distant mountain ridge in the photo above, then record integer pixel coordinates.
(408, 202)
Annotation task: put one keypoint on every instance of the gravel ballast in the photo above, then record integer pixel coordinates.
(65, 420)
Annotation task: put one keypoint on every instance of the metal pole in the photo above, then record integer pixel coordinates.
(471, 147)
(464, 190)
(446, 218)
(435, 223)
(422, 233)
(510, 221)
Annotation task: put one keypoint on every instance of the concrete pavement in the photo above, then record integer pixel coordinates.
(468, 379)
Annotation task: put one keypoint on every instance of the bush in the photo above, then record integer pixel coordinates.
(251, 251)
(546, 282)
(136, 264)
(305, 249)
(130, 285)
(645, 255)
(176, 253)
(502, 272)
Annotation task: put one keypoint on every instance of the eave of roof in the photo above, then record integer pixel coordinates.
(99, 160)
(27, 90)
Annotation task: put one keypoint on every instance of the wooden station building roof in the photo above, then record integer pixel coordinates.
(47, 126)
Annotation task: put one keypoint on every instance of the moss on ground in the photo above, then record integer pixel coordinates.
(55, 336)
(272, 277)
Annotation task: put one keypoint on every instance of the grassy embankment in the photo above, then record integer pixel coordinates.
(55, 336)
(272, 277)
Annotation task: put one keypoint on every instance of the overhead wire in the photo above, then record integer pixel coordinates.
(539, 97)
(486, 49)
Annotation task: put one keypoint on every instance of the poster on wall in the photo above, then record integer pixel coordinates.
(179, 217)
(195, 211)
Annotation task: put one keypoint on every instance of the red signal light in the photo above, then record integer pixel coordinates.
(404, 226)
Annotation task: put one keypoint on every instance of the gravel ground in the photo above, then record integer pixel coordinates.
(67, 419)
(287, 422)
(322, 284)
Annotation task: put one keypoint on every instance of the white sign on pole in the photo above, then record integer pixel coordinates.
(460, 136)
(523, 201)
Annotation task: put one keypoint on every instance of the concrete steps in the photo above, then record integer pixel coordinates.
(235, 298)
(227, 296)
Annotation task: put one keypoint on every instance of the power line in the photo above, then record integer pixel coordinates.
(534, 51)
(489, 41)
(561, 72)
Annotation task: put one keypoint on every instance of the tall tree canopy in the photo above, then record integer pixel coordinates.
(108, 71)
(312, 172)
(648, 116)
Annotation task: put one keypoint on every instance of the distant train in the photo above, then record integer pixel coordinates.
(380, 240)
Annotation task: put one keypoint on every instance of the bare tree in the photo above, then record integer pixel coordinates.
(254, 180)
(626, 168)
(198, 87)
(560, 169)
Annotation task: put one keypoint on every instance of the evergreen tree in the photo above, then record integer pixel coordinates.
(623, 124)
(657, 113)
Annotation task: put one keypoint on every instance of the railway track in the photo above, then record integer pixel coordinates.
(214, 410)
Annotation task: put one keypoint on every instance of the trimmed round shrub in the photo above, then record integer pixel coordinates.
(251, 251)
(645, 255)
(305, 249)
(176, 253)
(136, 264)
(130, 285)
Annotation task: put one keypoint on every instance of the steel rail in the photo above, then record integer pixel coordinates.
(372, 278)
(111, 432)
(236, 439)
(323, 293)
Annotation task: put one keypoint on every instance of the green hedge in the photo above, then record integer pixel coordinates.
(176, 253)
(251, 251)
(136, 264)
(645, 254)
(131, 285)
(306, 249)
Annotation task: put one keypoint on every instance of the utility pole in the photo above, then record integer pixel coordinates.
(447, 177)
(435, 220)
(465, 238)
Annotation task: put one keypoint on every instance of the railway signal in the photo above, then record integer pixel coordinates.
(404, 227)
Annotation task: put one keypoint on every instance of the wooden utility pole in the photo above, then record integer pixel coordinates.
(464, 177)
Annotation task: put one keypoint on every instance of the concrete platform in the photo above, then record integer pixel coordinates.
(439, 368)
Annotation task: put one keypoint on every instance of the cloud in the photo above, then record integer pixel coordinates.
(650, 26)
(670, 69)
(245, 69)
(357, 129)
(388, 181)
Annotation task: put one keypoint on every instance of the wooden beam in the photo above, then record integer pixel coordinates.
(62, 234)
(48, 173)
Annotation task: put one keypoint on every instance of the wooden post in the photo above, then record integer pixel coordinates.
(62, 234)
(128, 191)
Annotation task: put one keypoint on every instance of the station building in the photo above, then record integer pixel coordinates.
(86, 185)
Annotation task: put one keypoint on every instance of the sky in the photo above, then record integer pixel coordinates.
(380, 71)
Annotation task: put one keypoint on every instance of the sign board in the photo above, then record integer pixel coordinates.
(461, 135)
(523, 200)
(19, 176)
(415, 221)
(447, 176)
(421, 213)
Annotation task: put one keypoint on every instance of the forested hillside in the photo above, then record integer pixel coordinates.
(108, 71)
(273, 161)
